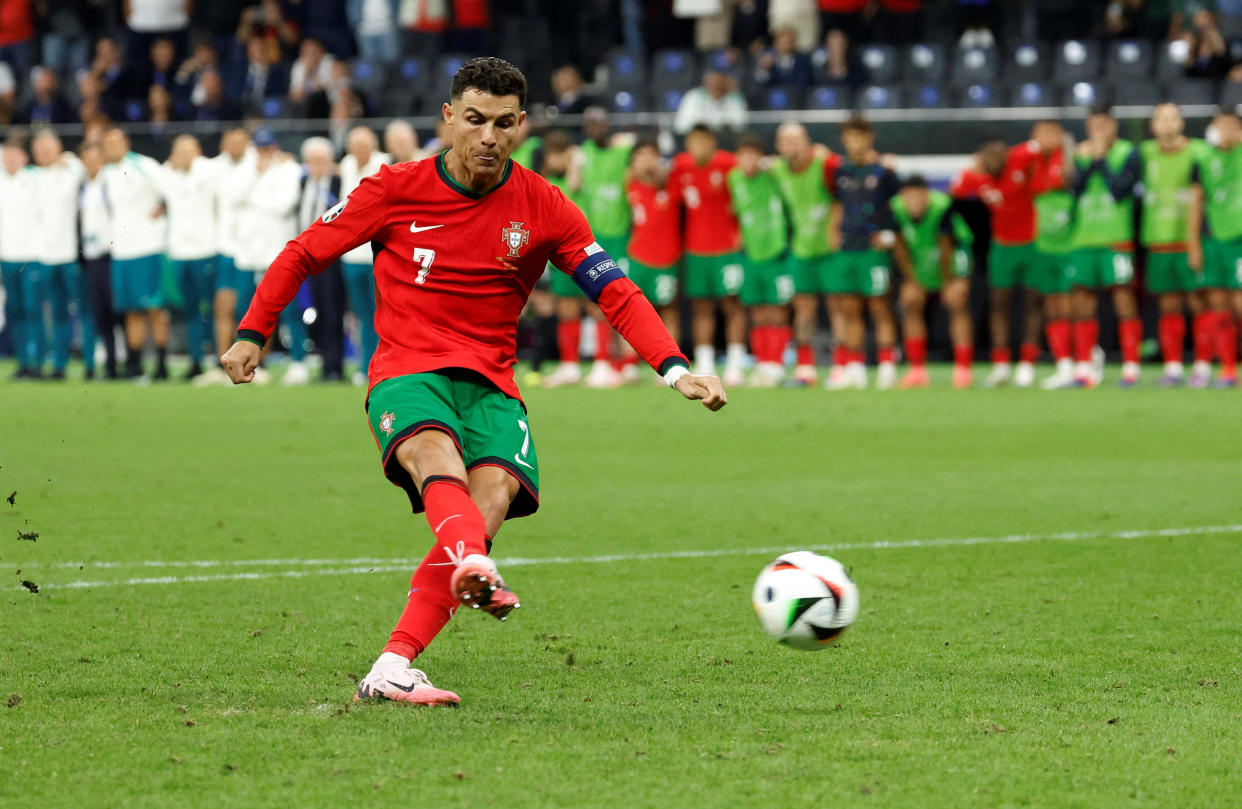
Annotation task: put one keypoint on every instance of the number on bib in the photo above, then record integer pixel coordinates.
(1123, 268)
(424, 257)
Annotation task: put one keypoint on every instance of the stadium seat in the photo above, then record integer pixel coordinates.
(135, 111)
(398, 101)
(1030, 94)
(972, 65)
(668, 100)
(1231, 96)
(366, 75)
(927, 96)
(1129, 57)
(1082, 94)
(1077, 60)
(625, 70)
(731, 62)
(980, 94)
(1131, 93)
(880, 97)
(778, 99)
(1028, 61)
(674, 70)
(274, 107)
(447, 67)
(1171, 60)
(411, 73)
(881, 64)
(626, 101)
(925, 61)
(829, 97)
(1198, 92)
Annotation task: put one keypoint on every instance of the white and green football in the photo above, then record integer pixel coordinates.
(805, 600)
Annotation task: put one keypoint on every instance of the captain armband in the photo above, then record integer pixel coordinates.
(596, 271)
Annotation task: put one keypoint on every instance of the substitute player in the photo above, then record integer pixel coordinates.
(57, 279)
(769, 284)
(936, 262)
(654, 248)
(19, 252)
(1108, 170)
(1215, 238)
(1054, 244)
(460, 240)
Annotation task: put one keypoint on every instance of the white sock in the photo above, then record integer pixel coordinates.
(391, 660)
(704, 357)
(735, 356)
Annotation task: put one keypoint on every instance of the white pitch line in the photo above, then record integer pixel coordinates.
(319, 567)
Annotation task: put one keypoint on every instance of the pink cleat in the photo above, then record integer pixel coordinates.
(477, 584)
(916, 377)
(963, 377)
(403, 685)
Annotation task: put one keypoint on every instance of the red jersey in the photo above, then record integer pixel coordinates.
(1010, 197)
(655, 225)
(453, 269)
(711, 227)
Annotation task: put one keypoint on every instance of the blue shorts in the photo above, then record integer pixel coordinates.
(136, 283)
(240, 281)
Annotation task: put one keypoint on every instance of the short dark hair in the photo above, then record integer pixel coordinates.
(556, 141)
(1102, 109)
(644, 143)
(489, 74)
(857, 122)
(915, 181)
(749, 140)
(702, 129)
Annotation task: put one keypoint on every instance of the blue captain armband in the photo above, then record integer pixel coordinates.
(596, 271)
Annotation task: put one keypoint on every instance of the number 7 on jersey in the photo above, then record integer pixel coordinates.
(424, 257)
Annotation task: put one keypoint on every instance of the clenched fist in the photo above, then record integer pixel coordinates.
(240, 361)
(708, 389)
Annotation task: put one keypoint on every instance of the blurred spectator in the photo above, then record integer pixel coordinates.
(834, 63)
(46, 104)
(148, 20)
(268, 21)
(8, 94)
(749, 31)
(320, 190)
(423, 23)
(1207, 55)
(471, 22)
(264, 76)
(443, 138)
(109, 69)
(163, 64)
(978, 21)
(215, 106)
(187, 83)
(1182, 14)
(798, 16)
(311, 73)
(717, 103)
(900, 22)
(345, 110)
(567, 87)
(325, 20)
(17, 35)
(710, 22)
(845, 16)
(1122, 18)
(401, 142)
(783, 65)
(160, 108)
(63, 23)
(1057, 20)
(375, 28)
(218, 20)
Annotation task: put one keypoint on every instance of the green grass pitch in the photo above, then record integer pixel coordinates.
(1076, 665)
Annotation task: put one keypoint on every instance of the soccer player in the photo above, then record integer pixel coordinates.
(362, 159)
(1107, 171)
(187, 182)
(138, 237)
(1054, 243)
(57, 279)
(713, 269)
(460, 239)
(96, 262)
(1215, 237)
(654, 248)
(861, 228)
(1002, 179)
(936, 262)
(1169, 160)
(803, 177)
(769, 284)
(19, 248)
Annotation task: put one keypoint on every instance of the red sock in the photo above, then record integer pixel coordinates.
(806, 354)
(856, 355)
(916, 351)
(1058, 332)
(568, 338)
(458, 526)
(1130, 334)
(1002, 356)
(840, 356)
(884, 355)
(1227, 344)
(771, 344)
(783, 335)
(1205, 336)
(1086, 335)
(603, 340)
(1172, 337)
(1028, 352)
(963, 356)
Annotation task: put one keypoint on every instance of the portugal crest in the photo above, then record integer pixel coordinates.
(386, 422)
(515, 238)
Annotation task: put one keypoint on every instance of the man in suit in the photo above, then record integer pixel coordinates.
(321, 190)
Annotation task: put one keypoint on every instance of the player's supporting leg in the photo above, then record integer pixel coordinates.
(703, 329)
(35, 292)
(735, 340)
(805, 313)
(998, 325)
(913, 302)
(1222, 332)
(602, 374)
(568, 341)
(768, 340)
(1172, 332)
(59, 283)
(1129, 332)
(881, 309)
(956, 298)
(1203, 329)
(854, 331)
(1028, 351)
(1086, 336)
(1058, 330)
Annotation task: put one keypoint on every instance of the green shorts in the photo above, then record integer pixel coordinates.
(859, 272)
(1100, 267)
(810, 275)
(1222, 264)
(1011, 265)
(488, 427)
(768, 283)
(1169, 272)
(137, 283)
(1050, 274)
(712, 277)
(930, 277)
(659, 284)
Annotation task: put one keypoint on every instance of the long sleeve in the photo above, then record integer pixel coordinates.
(1122, 184)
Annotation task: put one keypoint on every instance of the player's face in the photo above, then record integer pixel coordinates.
(1102, 127)
(556, 164)
(701, 147)
(859, 144)
(234, 143)
(1049, 136)
(792, 143)
(748, 160)
(45, 149)
(14, 159)
(647, 164)
(992, 158)
(485, 130)
(915, 200)
(318, 162)
(1229, 128)
(92, 161)
(115, 145)
(1167, 122)
(183, 153)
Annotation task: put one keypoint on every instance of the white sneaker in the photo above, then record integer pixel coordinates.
(806, 375)
(212, 376)
(391, 680)
(838, 379)
(857, 373)
(567, 373)
(631, 374)
(886, 376)
(999, 377)
(1130, 374)
(1063, 377)
(1024, 376)
(767, 375)
(261, 377)
(733, 378)
(1097, 364)
(296, 374)
(603, 376)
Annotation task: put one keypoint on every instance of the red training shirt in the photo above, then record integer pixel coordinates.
(453, 269)
(1010, 197)
(655, 229)
(711, 226)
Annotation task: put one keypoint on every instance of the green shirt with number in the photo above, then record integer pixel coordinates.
(809, 201)
(1219, 173)
(602, 196)
(760, 213)
(1166, 192)
(1101, 220)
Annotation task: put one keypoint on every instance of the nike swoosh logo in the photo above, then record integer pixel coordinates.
(523, 463)
(442, 522)
(399, 687)
(414, 228)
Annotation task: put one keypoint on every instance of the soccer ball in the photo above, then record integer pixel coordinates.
(805, 600)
